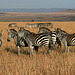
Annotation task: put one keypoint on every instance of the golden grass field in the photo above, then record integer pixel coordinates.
(58, 62)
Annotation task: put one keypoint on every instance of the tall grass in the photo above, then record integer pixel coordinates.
(58, 62)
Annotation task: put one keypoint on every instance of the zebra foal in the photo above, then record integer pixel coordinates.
(67, 39)
(33, 39)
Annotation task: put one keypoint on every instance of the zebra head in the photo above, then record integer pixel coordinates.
(50, 25)
(11, 34)
(22, 32)
(0, 38)
(60, 33)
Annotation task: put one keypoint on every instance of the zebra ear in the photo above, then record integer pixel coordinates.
(7, 30)
(21, 28)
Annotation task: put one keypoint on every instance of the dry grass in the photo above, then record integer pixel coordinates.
(57, 62)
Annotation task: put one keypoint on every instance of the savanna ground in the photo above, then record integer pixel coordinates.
(58, 62)
(36, 17)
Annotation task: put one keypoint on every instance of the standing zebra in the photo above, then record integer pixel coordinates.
(67, 39)
(33, 39)
(12, 33)
(54, 38)
(0, 38)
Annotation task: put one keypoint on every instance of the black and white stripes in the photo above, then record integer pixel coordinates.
(35, 39)
(44, 37)
(53, 34)
(73, 40)
(67, 39)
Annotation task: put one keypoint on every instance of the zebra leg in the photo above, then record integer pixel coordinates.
(68, 48)
(65, 44)
(31, 48)
(58, 42)
(54, 47)
(36, 48)
(18, 48)
(47, 47)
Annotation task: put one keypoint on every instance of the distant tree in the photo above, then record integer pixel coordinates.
(32, 20)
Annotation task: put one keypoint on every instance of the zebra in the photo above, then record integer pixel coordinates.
(44, 30)
(12, 33)
(54, 39)
(67, 39)
(27, 25)
(35, 25)
(50, 25)
(32, 25)
(12, 25)
(33, 39)
(0, 38)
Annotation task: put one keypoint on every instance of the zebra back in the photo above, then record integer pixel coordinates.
(44, 30)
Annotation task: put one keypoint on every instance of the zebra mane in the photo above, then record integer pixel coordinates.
(44, 28)
(28, 32)
(59, 29)
(14, 31)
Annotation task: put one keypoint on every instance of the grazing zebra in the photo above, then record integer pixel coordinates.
(12, 25)
(50, 25)
(54, 39)
(31, 25)
(67, 39)
(12, 33)
(33, 39)
(27, 25)
(0, 38)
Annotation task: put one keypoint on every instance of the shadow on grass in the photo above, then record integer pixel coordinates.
(15, 52)
(25, 52)
(59, 50)
(9, 50)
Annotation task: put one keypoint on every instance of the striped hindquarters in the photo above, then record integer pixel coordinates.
(42, 39)
(73, 41)
(53, 37)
